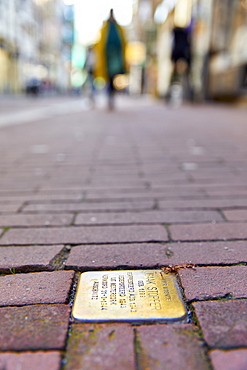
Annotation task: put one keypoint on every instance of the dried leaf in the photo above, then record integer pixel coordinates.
(175, 268)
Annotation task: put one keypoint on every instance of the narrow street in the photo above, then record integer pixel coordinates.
(142, 187)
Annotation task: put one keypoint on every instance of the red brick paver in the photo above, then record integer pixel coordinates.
(214, 282)
(223, 231)
(142, 187)
(35, 220)
(35, 360)
(171, 347)
(150, 217)
(28, 257)
(223, 324)
(39, 287)
(229, 360)
(101, 347)
(33, 327)
(77, 235)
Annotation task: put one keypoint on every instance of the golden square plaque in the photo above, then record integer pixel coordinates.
(128, 295)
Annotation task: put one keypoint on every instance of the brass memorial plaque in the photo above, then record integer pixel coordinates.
(128, 295)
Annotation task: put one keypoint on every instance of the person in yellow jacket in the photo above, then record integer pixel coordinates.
(110, 54)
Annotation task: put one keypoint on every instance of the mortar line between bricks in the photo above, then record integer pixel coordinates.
(136, 345)
(205, 346)
(226, 297)
(221, 212)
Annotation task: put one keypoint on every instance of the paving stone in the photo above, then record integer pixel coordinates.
(223, 323)
(105, 256)
(170, 347)
(151, 255)
(41, 197)
(236, 215)
(89, 206)
(100, 347)
(202, 203)
(158, 193)
(206, 253)
(36, 220)
(150, 217)
(229, 360)
(35, 360)
(9, 208)
(37, 327)
(86, 234)
(34, 288)
(28, 257)
(222, 231)
(214, 282)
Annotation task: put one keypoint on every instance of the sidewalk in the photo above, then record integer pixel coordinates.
(146, 186)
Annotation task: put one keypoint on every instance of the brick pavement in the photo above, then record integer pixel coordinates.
(143, 187)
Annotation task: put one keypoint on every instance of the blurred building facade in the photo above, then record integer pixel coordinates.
(218, 37)
(36, 38)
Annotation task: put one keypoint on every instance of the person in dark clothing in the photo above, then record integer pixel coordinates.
(181, 45)
(181, 58)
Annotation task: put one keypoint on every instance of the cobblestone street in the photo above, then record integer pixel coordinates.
(142, 187)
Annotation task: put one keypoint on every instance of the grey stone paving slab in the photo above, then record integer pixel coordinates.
(214, 282)
(86, 234)
(35, 288)
(28, 257)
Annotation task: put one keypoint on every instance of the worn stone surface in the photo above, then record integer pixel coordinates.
(37, 327)
(223, 324)
(202, 203)
(214, 282)
(169, 347)
(222, 231)
(30, 360)
(207, 253)
(105, 256)
(150, 217)
(90, 206)
(35, 220)
(28, 257)
(236, 215)
(155, 254)
(9, 208)
(34, 288)
(100, 347)
(229, 360)
(87, 234)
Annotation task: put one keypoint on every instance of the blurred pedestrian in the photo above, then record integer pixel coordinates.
(90, 68)
(110, 51)
(181, 57)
